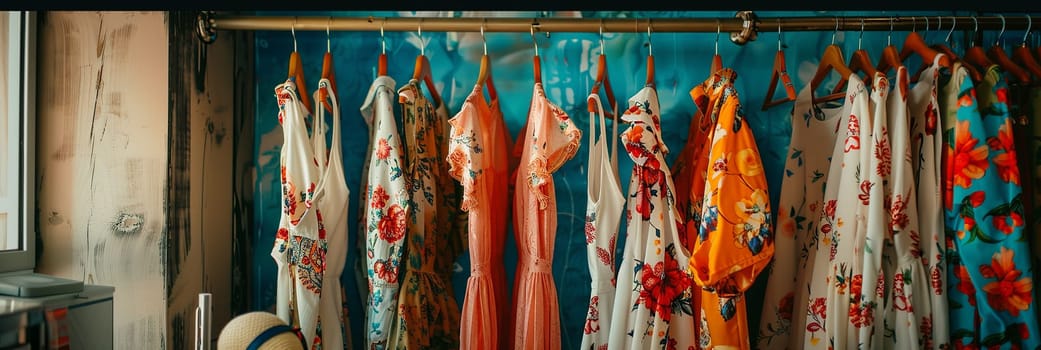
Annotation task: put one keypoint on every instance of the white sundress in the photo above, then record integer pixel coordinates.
(332, 196)
(605, 204)
(926, 153)
(834, 259)
(873, 245)
(300, 245)
(783, 320)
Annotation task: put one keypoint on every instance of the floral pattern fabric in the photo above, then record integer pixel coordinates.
(991, 296)
(799, 211)
(478, 156)
(835, 279)
(605, 204)
(300, 243)
(427, 315)
(386, 213)
(926, 155)
(734, 242)
(549, 139)
(653, 307)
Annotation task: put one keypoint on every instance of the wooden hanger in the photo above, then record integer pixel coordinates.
(780, 70)
(602, 79)
(860, 61)
(914, 44)
(943, 48)
(296, 71)
(717, 60)
(1022, 55)
(890, 57)
(484, 76)
(381, 67)
(831, 60)
(975, 55)
(650, 58)
(422, 71)
(536, 62)
(328, 73)
(997, 53)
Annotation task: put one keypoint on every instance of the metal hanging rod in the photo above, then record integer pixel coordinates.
(743, 27)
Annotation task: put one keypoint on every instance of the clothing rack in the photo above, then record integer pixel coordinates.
(743, 27)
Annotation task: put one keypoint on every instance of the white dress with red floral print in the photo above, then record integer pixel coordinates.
(300, 245)
(926, 154)
(832, 280)
(874, 245)
(386, 213)
(603, 218)
(655, 305)
(801, 204)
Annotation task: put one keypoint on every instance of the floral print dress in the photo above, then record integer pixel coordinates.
(427, 316)
(784, 320)
(603, 218)
(926, 155)
(549, 139)
(874, 245)
(734, 242)
(991, 295)
(653, 307)
(386, 213)
(300, 243)
(835, 276)
(478, 156)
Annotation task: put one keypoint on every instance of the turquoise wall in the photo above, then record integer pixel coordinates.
(682, 61)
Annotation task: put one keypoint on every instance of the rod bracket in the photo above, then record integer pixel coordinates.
(749, 28)
(206, 27)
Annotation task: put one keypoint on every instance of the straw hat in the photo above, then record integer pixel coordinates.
(260, 329)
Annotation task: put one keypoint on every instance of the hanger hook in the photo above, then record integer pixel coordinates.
(1030, 23)
(889, 38)
(383, 39)
(328, 36)
(718, 25)
(1002, 32)
(601, 36)
(422, 44)
(926, 34)
(939, 22)
(483, 39)
(836, 31)
(954, 24)
(293, 30)
(533, 41)
(914, 24)
(778, 34)
(650, 49)
(860, 40)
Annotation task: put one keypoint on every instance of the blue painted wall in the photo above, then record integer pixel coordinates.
(682, 61)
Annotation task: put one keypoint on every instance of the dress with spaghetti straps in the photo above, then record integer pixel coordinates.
(604, 207)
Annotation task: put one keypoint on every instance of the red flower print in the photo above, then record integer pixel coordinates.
(1017, 219)
(965, 283)
(593, 316)
(897, 215)
(883, 154)
(856, 285)
(936, 280)
(829, 208)
(977, 198)
(926, 330)
(1009, 292)
(590, 231)
(1001, 222)
(1006, 162)
(818, 314)
(605, 256)
(931, 119)
(852, 134)
(662, 284)
(900, 301)
(383, 150)
(379, 198)
(784, 307)
(282, 234)
(826, 228)
(1002, 94)
(969, 161)
(392, 225)
(959, 344)
(385, 271)
(865, 192)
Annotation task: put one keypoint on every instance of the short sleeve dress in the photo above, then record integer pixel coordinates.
(549, 139)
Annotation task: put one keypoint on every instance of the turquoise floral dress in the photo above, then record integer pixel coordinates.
(991, 283)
